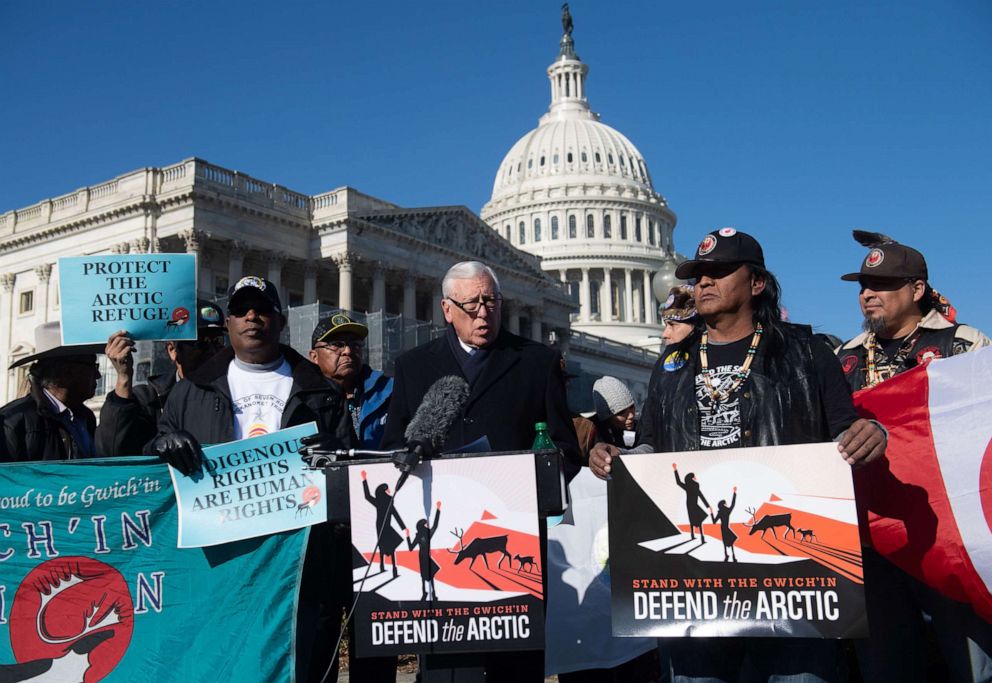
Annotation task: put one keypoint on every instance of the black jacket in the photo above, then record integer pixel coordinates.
(781, 401)
(201, 403)
(33, 431)
(127, 424)
(520, 385)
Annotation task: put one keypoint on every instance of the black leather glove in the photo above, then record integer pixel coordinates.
(179, 449)
(313, 449)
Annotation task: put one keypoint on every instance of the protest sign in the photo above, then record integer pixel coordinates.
(93, 588)
(451, 563)
(152, 296)
(250, 488)
(736, 542)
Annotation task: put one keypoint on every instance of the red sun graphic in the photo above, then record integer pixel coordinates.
(874, 258)
(63, 602)
(707, 245)
(311, 495)
(180, 316)
(985, 485)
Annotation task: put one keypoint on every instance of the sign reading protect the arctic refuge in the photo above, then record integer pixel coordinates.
(736, 542)
(152, 296)
(457, 566)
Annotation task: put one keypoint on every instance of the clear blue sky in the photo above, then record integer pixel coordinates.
(795, 121)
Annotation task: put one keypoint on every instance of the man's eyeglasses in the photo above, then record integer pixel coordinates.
(337, 345)
(473, 307)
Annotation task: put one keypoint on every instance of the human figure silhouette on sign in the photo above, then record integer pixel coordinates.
(697, 515)
(389, 538)
(428, 567)
(723, 517)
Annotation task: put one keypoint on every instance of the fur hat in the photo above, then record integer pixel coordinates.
(680, 307)
(611, 396)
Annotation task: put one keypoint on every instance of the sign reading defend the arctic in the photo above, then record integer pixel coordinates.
(152, 296)
(458, 562)
(250, 488)
(736, 542)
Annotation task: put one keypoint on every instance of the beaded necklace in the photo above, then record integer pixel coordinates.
(872, 375)
(739, 377)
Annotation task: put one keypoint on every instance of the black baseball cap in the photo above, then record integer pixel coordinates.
(254, 285)
(337, 323)
(726, 245)
(892, 260)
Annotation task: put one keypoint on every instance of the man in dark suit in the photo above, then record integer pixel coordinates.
(514, 382)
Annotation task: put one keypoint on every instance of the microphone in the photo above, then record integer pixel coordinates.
(432, 421)
(316, 458)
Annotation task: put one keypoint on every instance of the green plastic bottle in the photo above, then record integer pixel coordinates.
(542, 440)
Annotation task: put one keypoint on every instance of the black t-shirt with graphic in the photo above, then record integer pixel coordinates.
(720, 421)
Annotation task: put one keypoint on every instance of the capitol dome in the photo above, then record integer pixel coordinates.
(578, 193)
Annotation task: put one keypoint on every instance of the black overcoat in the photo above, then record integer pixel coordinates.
(521, 384)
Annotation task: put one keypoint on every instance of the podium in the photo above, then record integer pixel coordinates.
(451, 566)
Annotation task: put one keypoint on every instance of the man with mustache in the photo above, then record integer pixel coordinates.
(908, 323)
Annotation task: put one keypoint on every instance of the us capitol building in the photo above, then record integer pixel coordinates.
(574, 230)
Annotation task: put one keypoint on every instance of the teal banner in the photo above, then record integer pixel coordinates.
(93, 587)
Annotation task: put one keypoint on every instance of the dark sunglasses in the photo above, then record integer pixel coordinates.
(240, 310)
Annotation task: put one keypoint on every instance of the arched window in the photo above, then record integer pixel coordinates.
(569, 157)
(599, 159)
(609, 158)
(537, 229)
(590, 229)
(530, 163)
(584, 157)
(554, 159)
(623, 226)
(507, 232)
(523, 233)
(607, 226)
(542, 160)
(554, 227)
(651, 232)
(572, 230)
(637, 230)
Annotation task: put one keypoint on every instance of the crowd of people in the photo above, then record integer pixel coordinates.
(732, 374)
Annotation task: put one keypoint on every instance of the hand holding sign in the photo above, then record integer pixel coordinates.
(120, 352)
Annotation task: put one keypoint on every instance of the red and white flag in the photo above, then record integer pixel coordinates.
(928, 503)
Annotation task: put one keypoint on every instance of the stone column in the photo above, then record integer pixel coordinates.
(275, 260)
(378, 287)
(606, 297)
(584, 296)
(650, 310)
(345, 263)
(7, 316)
(141, 245)
(310, 271)
(192, 239)
(44, 273)
(637, 312)
(235, 263)
(513, 318)
(437, 315)
(536, 332)
(205, 275)
(410, 296)
(628, 296)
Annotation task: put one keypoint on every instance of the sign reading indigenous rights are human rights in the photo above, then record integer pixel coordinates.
(93, 588)
(152, 296)
(250, 488)
(736, 542)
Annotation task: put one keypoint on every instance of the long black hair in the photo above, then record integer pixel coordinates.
(766, 310)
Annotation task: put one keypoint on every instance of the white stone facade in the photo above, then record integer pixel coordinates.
(342, 247)
(577, 193)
